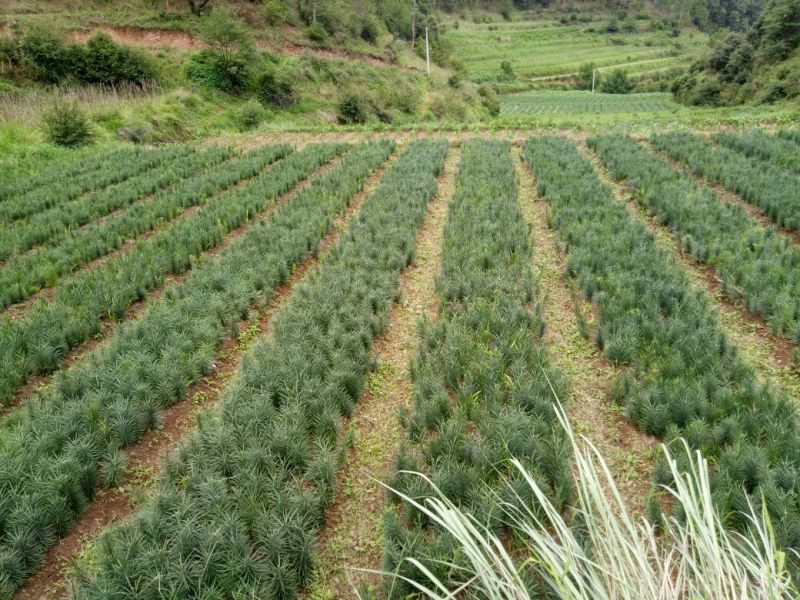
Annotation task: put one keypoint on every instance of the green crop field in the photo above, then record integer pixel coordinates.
(399, 300)
(544, 49)
(151, 267)
(575, 102)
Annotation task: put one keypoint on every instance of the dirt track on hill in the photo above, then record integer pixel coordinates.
(159, 38)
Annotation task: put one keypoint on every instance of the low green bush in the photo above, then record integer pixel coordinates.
(489, 99)
(369, 31)
(274, 91)
(353, 109)
(66, 125)
(45, 57)
(211, 69)
(105, 62)
(317, 33)
(251, 114)
(616, 82)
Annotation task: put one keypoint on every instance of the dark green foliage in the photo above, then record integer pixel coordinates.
(779, 28)
(66, 125)
(616, 82)
(105, 62)
(732, 58)
(274, 91)
(743, 61)
(225, 64)
(482, 380)
(489, 99)
(211, 69)
(45, 57)
(507, 71)
(691, 381)
(316, 32)
(369, 30)
(352, 109)
(236, 514)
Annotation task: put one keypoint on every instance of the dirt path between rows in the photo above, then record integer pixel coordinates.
(108, 325)
(627, 449)
(350, 538)
(770, 355)
(145, 457)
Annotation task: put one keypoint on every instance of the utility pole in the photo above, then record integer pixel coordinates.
(427, 52)
(413, 23)
(594, 71)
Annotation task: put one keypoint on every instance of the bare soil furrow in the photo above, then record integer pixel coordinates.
(592, 412)
(351, 536)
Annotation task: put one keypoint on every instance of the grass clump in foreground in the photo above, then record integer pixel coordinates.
(611, 555)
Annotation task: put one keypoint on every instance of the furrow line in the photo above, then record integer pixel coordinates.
(351, 536)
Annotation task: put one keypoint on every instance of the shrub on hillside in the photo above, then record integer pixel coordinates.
(507, 71)
(583, 81)
(352, 109)
(732, 58)
(224, 65)
(369, 31)
(66, 125)
(275, 12)
(106, 62)
(616, 82)
(251, 114)
(44, 56)
(227, 73)
(273, 91)
(706, 93)
(316, 33)
(489, 99)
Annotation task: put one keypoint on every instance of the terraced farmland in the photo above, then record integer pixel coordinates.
(213, 358)
(541, 49)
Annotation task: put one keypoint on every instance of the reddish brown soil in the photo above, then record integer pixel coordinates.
(160, 38)
(349, 538)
